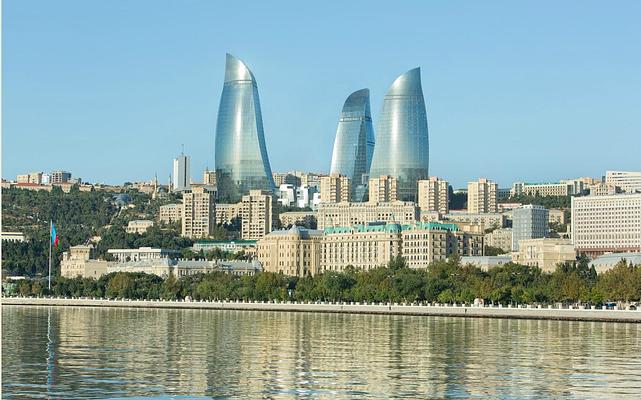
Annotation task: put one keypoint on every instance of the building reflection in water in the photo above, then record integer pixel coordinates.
(79, 352)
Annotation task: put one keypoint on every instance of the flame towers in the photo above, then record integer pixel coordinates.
(354, 143)
(241, 155)
(402, 147)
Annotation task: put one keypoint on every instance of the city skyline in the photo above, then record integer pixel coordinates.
(531, 105)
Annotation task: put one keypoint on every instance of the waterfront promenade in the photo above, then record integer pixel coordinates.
(521, 311)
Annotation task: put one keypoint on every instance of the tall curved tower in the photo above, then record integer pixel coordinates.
(354, 143)
(402, 146)
(241, 155)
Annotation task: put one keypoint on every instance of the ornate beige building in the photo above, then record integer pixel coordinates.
(544, 253)
(348, 214)
(257, 214)
(500, 238)
(362, 246)
(78, 261)
(433, 195)
(481, 197)
(299, 251)
(139, 226)
(295, 251)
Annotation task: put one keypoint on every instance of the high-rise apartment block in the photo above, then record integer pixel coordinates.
(257, 214)
(629, 182)
(383, 189)
(209, 178)
(606, 224)
(335, 188)
(529, 222)
(198, 212)
(433, 195)
(181, 178)
(481, 197)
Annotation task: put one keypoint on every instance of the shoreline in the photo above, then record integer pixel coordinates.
(521, 312)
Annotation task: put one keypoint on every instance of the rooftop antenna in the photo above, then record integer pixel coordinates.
(182, 152)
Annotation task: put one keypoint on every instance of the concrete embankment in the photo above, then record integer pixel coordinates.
(523, 312)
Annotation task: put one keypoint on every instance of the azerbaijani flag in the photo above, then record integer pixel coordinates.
(54, 236)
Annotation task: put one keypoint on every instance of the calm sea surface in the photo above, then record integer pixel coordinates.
(77, 352)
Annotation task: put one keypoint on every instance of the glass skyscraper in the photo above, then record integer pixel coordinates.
(354, 143)
(241, 155)
(402, 147)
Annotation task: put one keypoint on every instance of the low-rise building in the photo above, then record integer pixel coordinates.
(500, 238)
(486, 262)
(306, 219)
(484, 220)
(79, 261)
(232, 246)
(610, 260)
(545, 189)
(545, 253)
(170, 213)
(143, 254)
(557, 216)
(12, 236)
(139, 226)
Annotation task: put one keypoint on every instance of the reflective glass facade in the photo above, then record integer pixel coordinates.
(354, 143)
(241, 155)
(402, 147)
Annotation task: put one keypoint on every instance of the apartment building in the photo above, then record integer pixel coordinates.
(383, 189)
(257, 214)
(481, 197)
(335, 188)
(348, 214)
(433, 195)
(198, 212)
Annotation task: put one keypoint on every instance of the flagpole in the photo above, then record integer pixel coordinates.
(50, 232)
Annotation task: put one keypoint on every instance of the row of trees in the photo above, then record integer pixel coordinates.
(443, 281)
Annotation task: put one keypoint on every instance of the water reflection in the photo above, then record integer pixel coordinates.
(96, 352)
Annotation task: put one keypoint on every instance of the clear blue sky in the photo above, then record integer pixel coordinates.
(109, 90)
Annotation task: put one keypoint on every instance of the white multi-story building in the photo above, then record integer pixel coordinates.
(500, 238)
(481, 196)
(433, 195)
(181, 178)
(287, 194)
(602, 224)
(629, 182)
